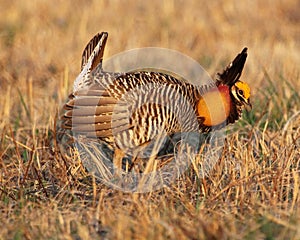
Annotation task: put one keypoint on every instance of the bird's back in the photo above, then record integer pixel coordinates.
(131, 109)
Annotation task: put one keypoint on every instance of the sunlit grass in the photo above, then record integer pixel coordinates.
(252, 192)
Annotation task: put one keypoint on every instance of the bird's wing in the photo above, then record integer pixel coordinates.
(91, 112)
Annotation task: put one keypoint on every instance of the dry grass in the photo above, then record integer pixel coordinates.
(252, 193)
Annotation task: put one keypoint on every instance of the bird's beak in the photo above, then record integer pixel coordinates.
(248, 105)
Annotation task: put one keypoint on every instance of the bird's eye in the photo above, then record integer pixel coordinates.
(240, 92)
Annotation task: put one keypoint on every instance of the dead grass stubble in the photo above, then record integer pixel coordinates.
(252, 192)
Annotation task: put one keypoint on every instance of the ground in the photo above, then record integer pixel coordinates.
(253, 191)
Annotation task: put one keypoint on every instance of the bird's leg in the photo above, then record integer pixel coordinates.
(117, 160)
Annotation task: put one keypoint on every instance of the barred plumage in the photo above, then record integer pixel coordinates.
(131, 109)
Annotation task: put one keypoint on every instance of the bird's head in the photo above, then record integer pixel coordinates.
(240, 91)
(227, 101)
(241, 94)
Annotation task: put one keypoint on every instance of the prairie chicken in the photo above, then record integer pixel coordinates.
(128, 110)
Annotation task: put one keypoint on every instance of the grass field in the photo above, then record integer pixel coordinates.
(252, 193)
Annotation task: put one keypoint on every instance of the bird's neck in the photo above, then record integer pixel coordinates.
(215, 105)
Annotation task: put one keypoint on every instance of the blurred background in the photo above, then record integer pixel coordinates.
(41, 41)
(252, 194)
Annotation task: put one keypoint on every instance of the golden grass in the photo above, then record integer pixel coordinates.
(253, 191)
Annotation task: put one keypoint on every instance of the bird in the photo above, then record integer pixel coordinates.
(129, 110)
